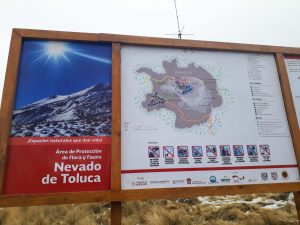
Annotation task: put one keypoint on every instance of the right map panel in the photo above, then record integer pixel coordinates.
(293, 68)
(202, 118)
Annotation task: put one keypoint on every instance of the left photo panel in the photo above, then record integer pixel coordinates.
(61, 123)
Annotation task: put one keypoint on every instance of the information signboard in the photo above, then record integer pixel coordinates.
(202, 118)
(61, 123)
(102, 117)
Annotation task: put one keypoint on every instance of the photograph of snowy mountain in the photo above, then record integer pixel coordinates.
(64, 89)
(84, 113)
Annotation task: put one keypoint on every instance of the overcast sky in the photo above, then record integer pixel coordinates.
(270, 22)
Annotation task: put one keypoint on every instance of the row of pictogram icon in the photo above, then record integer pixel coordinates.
(211, 151)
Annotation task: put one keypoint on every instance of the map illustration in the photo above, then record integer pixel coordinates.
(190, 92)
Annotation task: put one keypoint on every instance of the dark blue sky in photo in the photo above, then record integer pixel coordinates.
(50, 68)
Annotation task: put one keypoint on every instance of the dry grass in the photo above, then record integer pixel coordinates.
(84, 214)
(191, 212)
(160, 212)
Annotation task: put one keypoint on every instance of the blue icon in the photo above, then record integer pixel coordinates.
(168, 151)
(197, 151)
(182, 151)
(225, 150)
(213, 179)
(153, 152)
(211, 151)
(252, 150)
(238, 150)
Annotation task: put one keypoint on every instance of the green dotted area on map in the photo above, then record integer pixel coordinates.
(150, 76)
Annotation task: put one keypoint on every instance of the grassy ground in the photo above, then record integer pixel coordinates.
(267, 209)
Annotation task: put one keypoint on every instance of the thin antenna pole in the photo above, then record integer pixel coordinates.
(179, 32)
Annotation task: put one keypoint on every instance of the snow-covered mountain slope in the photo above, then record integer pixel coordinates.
(83, 113)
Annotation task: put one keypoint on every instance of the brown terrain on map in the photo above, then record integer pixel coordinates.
(190, 92)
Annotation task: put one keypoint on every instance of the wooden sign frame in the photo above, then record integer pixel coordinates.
(116, 195)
